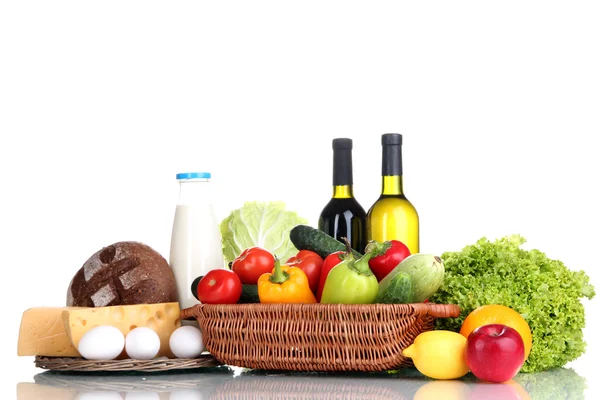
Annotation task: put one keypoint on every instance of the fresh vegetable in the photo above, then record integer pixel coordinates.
(389, 254)
(285, 285)
(399, 290)
(310, 263)
(426, 272)
(249, 294)
(252, 263)
(306, 237)
(195, 286)
(498, 314)
(260, 224)
(328, 263)
(439, 354)
(544, 291)
(219, 286)
(351, 281)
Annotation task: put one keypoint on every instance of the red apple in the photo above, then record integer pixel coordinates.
(495, 352)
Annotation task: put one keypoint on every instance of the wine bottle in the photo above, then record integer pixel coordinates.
(343, 216)
(392, 216)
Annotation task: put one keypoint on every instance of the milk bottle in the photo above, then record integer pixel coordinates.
(195, 239)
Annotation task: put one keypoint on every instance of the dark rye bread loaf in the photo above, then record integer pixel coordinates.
(121, 274)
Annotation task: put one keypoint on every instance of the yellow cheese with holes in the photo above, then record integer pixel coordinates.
(42, 333)
(163, 318)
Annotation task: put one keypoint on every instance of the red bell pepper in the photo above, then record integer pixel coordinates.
(389, 254)
(330, 261)
(309, 262)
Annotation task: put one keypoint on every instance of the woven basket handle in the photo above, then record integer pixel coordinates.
(443, 310)
(189, 313)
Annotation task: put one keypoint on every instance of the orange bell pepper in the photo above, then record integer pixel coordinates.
(285, 284)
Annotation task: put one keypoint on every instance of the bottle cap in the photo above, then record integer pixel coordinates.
(342, 143)
(391, 138)
(193, 175)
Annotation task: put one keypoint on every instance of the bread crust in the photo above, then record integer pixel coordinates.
(121, 274)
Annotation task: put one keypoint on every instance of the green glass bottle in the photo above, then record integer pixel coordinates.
(392, 216)
(343, 216)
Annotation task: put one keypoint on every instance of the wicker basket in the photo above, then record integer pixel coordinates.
(155, 365)
(314, 337)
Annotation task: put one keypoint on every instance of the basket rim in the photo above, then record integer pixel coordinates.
(422, 309)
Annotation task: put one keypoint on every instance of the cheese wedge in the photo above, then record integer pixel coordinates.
(163, 318)
(42, 333)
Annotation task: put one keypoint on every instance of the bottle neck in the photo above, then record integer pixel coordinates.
(342, 168)
(391, 185)
(193, 191)
(391, 170)
(342, 192)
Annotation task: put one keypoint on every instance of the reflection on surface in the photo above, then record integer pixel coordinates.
(236, 383)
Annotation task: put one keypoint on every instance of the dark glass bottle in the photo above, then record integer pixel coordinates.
(343, 216)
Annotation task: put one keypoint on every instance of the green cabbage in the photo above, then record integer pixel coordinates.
(262, 224)
(544, 291)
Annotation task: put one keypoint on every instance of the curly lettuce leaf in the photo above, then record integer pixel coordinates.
(262, 224)
(544, 291)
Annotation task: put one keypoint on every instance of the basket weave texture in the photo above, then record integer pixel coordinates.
(315, 337)
(154, 365)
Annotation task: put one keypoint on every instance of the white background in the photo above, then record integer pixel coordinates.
(102, 103)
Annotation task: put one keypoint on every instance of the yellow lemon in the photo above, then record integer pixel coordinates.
(439, 354)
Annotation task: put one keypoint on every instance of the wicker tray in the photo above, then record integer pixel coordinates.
(314, 337)
(154, 365)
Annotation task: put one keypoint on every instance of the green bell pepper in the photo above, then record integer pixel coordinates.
(351, 281)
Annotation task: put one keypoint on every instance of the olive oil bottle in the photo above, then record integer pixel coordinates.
(392, 216)
(343, 216)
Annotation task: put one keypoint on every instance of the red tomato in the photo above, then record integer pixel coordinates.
(252, 263)
(309, 262)
(219, 286)
(330, 261)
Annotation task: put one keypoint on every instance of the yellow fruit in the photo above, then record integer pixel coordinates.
(498, 314)
(439, 354)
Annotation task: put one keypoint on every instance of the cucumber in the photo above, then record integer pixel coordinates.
(305, 237)
(426, 272)
(399, 291)
(249, 294)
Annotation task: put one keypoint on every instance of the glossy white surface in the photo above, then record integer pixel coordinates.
(234, 383)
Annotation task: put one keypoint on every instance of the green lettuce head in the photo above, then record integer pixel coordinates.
(262, 224)
(544, 291)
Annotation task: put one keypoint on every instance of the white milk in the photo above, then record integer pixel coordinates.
(195, 239)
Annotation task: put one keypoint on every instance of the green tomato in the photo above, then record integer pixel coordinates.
(351, 282)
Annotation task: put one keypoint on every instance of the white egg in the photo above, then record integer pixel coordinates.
(103, 342)
(186, 342)
(142, 343)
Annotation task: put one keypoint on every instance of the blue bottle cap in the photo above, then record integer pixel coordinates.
(193, 175)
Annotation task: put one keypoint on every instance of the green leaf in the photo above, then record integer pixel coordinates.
(544, 291)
